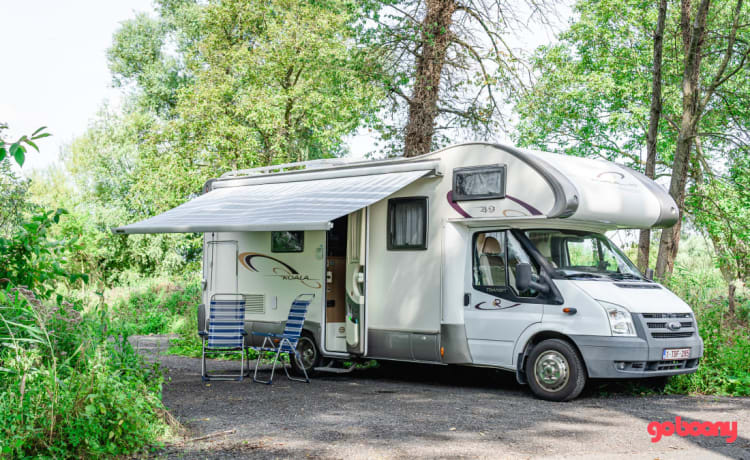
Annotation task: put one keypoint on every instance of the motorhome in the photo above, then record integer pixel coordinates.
(474, 255)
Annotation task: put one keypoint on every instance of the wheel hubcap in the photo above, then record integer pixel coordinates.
(551, 370)
(307, 352)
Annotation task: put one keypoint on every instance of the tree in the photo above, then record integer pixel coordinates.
(697, 98)
(721, 207)
(275, 81)
(593, 90)
(448, 65)
(644, 240)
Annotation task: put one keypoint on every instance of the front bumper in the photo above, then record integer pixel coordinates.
(609, 357)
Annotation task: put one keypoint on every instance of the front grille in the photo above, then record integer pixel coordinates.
(655, 366)
(660, 329)
(671, 335)
(670, 365)
(666, 315)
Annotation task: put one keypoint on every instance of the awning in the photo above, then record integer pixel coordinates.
(299, 205)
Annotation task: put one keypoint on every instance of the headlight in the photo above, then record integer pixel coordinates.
(620, 322)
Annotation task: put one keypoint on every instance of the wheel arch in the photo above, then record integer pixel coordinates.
(536, 338)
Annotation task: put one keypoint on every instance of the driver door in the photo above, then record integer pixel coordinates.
(497, 314)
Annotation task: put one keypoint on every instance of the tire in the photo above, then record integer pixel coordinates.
(310, 356)
(555, 371)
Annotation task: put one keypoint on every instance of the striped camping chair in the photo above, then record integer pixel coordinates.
(225, 332)
(286, 342)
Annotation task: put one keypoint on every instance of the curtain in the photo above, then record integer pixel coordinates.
(409, 223)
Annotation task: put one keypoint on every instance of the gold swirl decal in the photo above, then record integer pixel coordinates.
(513, 213)
(286, 272)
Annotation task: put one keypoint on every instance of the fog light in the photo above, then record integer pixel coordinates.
(620, 365)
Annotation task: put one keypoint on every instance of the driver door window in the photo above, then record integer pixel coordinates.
(496, 255)
(489, 261)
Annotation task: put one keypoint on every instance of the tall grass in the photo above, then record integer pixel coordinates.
(70, 385)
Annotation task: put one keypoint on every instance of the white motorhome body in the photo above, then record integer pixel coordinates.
(417, 259)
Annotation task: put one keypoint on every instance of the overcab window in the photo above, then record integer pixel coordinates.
(479, 183)
(407, 223)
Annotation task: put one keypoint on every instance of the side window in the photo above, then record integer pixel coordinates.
(516, 255)
(489, 262)
(407, 223)
(287, 241)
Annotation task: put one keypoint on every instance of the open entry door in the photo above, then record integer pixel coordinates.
(355, 281)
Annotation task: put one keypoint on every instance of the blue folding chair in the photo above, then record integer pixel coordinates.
(225, 333)
(286, 342)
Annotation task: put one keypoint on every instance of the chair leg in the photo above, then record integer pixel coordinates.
(273, 367)
(296, 356)
(204, 376)
(242, 362)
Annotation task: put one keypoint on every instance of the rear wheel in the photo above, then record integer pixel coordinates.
(555, 371)
(309, 356)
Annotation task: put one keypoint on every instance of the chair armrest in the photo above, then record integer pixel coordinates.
(244, 332)
(268, 334)
(202, 333)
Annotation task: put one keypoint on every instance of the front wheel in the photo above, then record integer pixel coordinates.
(555, 371)
(309, 356)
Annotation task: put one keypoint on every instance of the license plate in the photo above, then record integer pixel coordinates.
(676, 353)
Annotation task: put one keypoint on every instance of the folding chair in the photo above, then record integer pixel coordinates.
(225, 333)
(286, 342)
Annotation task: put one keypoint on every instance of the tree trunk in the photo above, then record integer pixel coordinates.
(435, 39)
(732, 303)
(644, 241)
(670, 237)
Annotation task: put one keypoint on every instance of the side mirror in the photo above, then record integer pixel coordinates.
(524, 281)
(649, 274)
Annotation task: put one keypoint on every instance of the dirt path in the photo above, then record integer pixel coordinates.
(407, 410)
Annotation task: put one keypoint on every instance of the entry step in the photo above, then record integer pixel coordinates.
(335, 370)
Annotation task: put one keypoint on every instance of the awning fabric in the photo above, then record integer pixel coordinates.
(303, 205)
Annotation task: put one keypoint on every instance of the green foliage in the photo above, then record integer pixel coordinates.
(70, 386)
(274, 82)
(156, 307)
(593, 89)
(725, 367)
(721, 207)
(17, 150)
(30, 258)
(104, 167)
(13, 196)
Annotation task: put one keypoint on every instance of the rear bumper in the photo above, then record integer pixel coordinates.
(633, 357)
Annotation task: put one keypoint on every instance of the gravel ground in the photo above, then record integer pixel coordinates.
(405, 410)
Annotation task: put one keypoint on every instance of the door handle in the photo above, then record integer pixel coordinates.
(467, 299)
(329, 277)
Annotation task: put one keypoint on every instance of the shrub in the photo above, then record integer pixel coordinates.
(70, 386)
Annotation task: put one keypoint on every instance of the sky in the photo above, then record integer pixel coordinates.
(55, 69)
(55, 66)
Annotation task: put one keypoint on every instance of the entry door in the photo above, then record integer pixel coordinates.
(222, 267)
(355, 282)
(497, 314)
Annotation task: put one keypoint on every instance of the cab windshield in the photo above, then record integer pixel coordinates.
(583, 255)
